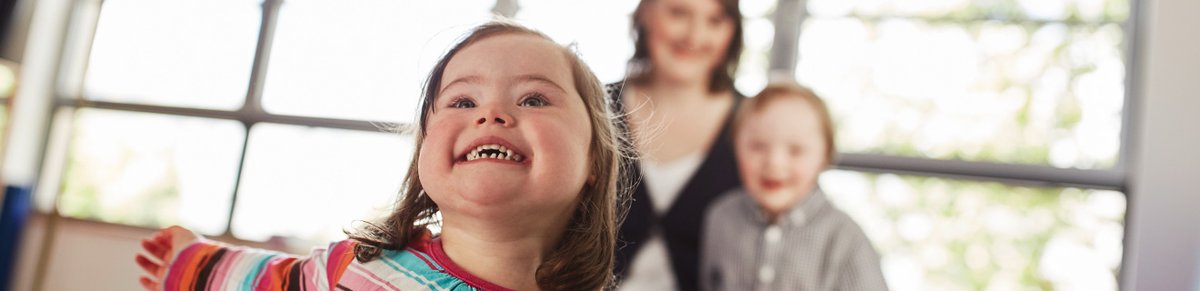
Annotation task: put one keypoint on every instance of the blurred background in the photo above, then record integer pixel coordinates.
(986, 144)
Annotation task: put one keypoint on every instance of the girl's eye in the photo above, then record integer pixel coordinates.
(534, 100)
(462, 103)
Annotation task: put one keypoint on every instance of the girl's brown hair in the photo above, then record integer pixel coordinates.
(584, 256)
(722, 76)
(777, 91)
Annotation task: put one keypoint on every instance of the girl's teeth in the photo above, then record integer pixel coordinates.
(504, 153)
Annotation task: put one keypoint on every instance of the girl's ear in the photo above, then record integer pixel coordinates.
(591, 179)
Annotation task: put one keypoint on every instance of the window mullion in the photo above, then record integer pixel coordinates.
(789, 15)
(1033, 175)
(253, 103)
(262, 56)
(1132, 28)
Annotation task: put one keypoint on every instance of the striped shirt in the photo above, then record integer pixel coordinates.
(813, 246)
(208, 265)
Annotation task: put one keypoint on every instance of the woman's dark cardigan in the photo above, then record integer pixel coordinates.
(680, 226)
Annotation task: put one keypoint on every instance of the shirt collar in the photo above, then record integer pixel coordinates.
(798, 215)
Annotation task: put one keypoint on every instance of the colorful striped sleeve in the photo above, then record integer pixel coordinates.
(209, 265)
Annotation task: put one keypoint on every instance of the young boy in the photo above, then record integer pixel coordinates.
(780, 233)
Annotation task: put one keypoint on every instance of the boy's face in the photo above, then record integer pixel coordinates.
(514, 91)
(780, 151)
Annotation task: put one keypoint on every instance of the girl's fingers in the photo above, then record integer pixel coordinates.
(159, 246)
(164, 236)
(158, 235)
(148, 283)
(155, 248)
(149, 266)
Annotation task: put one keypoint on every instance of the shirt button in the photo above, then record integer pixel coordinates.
(773, 234)
(766, 275)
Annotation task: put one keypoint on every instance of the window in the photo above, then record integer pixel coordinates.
(936, 100)
(144, 168)
(1027, 82)
(982, 141)
(758, 35)
(355, 61)
(604, 42)
(240, 108)
(190, 54)
(952, 234)
(293, 172)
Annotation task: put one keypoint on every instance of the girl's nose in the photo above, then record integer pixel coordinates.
(497, 120)
(495, 117)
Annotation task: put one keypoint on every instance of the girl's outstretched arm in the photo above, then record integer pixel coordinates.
(177, 259)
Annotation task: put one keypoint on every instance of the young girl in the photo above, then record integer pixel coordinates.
(779, 232)
(515, 151)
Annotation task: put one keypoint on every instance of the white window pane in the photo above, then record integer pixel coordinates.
(945, 234)
(364, 60)
(1045, 94)
(311, 183)
(758, 34)
(177, 53)
(600, 30)
(151, 170)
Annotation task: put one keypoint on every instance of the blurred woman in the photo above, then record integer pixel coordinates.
(676, 106)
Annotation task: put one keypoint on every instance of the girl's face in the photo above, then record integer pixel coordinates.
(780, 152)
(687, 39)
(509, 133)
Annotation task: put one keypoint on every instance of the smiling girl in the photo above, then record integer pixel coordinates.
(516, 153)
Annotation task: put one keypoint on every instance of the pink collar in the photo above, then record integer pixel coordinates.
(439, 255)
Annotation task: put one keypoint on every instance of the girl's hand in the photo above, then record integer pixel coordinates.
(159, 250)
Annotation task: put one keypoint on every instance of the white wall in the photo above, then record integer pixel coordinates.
(89, 255)
(1163, 249)
(84, 256)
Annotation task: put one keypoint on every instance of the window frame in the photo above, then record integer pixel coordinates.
(783, 62)
(783, 56)
(69, 97)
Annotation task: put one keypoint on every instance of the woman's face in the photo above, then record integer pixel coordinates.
(687, 39)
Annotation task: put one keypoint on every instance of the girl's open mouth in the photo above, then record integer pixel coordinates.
(493, 149)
